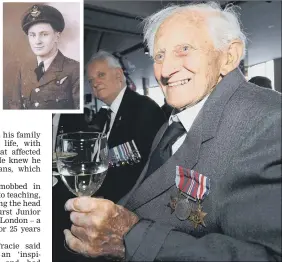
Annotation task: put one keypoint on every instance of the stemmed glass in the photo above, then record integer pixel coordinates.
(82, 161)
(54, 173)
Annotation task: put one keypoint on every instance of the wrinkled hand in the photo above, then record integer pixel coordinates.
(98, 227)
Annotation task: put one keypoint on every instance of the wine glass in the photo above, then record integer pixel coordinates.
(54, 164)
(54, 169)
(82, 161)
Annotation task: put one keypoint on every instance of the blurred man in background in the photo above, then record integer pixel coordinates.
(261, 81)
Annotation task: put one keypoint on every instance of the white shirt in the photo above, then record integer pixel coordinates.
(187, 118)
(47, 62)
(114, 107)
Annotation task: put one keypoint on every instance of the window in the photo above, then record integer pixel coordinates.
(156, 94)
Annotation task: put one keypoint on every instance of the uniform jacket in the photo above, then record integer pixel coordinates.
(235, 141)
(57, 89)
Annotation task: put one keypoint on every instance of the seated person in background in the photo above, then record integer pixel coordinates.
(131, 118)
(261, 81)
(211, 190)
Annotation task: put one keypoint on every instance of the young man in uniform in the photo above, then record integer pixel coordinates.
(51, 81)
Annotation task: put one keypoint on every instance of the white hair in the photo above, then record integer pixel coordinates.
(103, 55)
(106, 56)
(223, 28)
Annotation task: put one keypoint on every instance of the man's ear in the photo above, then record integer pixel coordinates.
(231, 57)
(119, 74)
(58, 36)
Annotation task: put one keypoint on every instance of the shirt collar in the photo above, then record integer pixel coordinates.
(188, 115)
(48, 61)
(116, 103)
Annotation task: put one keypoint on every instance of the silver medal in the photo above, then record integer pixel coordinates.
(183, 209)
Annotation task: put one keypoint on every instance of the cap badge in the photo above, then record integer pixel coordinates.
(34, 11)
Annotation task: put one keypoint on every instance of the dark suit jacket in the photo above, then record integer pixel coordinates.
(236, 142)
(138, 118)
(57, 89)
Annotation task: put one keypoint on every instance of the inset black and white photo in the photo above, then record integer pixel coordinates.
(41, 56)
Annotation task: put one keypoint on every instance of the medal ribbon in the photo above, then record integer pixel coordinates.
(124, 153)
(192, 183)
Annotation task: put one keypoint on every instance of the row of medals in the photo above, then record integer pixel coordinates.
(184, 209)
(132, 159)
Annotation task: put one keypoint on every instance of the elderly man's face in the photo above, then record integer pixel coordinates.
(43, 40)
(104, 80)
(186, 65)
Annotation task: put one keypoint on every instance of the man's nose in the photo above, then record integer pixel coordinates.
(38, 39)
(171, 65)
(94, 82)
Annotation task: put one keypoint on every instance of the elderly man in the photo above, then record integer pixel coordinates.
(52, 81)
(216, 196)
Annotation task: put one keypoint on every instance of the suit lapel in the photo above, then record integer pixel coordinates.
(116, 125)
(114, 134)
(32, 76)
(120, 118)
(203, 129)
(164, 177)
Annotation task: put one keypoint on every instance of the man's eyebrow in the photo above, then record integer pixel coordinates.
(40, 32)
(160, 50)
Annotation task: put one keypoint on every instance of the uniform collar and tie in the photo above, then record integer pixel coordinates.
(39, 71)
(188, 115)
(174, 136)
(48, 61)
(43, 65)
(187, 118)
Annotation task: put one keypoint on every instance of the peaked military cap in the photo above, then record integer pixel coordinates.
(43, 14)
